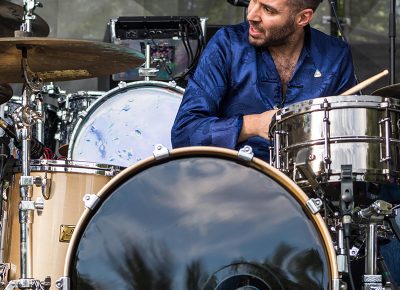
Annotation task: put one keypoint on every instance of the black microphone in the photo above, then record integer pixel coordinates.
(37, 147)
(241, 3)
(6, 93)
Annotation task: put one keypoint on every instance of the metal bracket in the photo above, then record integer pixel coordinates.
(25, 284)
(26, 181)
(63, 283)
(27, 205)
(90, 200)
(148, 72)
(160, 152)
(314, 204)
(39, 205)
(347, 199)
(246, 153)
(372, 282)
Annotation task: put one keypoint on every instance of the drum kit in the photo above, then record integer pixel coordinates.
(188, 218)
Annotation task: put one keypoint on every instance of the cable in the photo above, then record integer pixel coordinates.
(349, 263)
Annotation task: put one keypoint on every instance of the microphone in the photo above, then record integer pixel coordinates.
(6, 93)
(37, 147)
(240, 3)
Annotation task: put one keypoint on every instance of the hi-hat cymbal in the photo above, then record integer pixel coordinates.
(64, 59)
(11, 19)
(392, 91)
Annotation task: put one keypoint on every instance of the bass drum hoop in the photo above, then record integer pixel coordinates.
(122, 87)
(257, 163)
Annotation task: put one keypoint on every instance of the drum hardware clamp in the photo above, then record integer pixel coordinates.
(63, 283)
(90, 200)
(27, 284)
(246, 153)
(160, 152)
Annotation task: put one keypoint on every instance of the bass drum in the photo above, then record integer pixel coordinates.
(201, 218)
(123, 126)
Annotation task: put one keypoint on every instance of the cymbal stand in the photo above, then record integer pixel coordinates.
(147, 71)
(26, 26)
(26, 118)
(374, 214)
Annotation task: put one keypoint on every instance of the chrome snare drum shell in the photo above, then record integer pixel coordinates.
(359, 130)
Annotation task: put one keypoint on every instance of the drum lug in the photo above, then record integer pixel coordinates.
(314, 204)
(246, 153)
(122, 85)
(63, 283)
(386, 122)
(43, 183)
(90, 200)
(160, 152)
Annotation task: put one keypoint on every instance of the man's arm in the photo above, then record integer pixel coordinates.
(256, 125)
(199, 120)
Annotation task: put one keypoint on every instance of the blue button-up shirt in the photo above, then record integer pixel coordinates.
(233, 78)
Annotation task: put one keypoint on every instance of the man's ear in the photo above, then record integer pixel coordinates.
(304, 17)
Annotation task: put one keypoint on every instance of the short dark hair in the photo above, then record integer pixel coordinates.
(299, 5)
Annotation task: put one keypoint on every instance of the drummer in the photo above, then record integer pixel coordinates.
(249, 70)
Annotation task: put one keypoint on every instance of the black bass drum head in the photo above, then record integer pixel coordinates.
(201, 218)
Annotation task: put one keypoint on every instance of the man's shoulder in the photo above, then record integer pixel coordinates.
(235, 32)
(322, 39)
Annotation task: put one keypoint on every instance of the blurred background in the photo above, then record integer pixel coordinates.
(366, 25)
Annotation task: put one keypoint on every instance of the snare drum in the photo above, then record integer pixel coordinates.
(200, 218)
(125, 124)
(66, 184)
(362, 131)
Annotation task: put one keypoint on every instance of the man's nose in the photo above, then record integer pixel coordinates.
(253, 12)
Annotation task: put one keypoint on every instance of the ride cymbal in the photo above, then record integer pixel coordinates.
(11, 19)
(64, 59)
(392, 91)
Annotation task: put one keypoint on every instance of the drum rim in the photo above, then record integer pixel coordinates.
(256, 163)
(71, 166)
(335, 102)
(122, 86)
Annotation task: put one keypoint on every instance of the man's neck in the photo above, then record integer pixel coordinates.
(291, 48)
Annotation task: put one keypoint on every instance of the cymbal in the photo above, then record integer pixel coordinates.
(11, 19)
(55, 59)
(392, 91)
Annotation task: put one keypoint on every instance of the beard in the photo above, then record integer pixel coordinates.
(277, 35)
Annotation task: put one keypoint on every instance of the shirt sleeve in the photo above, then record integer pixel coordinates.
(199, 120)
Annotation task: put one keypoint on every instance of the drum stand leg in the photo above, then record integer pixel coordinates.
(26, 206)
(371, 280)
